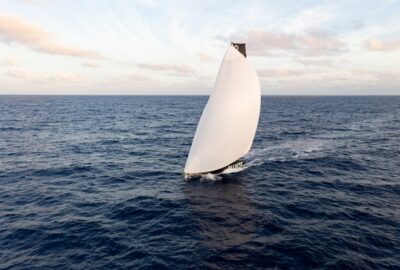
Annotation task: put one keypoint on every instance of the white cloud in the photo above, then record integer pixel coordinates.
(205, 58)
(90, 64)
(306, 46)
(309, 43)
(280, 72)
(383, 45)
(11, 61)
(176, 69)
(309, 18)
(45, 77)
(316, 62)
(17, 30)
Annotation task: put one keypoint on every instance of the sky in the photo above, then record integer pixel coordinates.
(149, 47)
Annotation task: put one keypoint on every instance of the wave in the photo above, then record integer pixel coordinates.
(288, 151)
(322, 144)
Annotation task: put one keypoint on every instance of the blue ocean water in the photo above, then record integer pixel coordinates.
(96, 183)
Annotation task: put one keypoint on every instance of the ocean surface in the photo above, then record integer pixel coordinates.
(96, 183)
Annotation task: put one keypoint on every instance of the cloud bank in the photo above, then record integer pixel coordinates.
(17, 30)
(310, 43)
(380, 45)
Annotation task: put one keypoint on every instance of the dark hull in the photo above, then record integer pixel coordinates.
(239, 162)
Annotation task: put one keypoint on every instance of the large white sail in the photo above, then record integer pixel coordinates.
(229, 121)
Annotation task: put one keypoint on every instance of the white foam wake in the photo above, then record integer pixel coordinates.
(210, 177)
(287, 151)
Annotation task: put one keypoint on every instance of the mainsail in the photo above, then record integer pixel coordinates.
(229, 121)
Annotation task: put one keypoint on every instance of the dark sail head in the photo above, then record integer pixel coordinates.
(241, 47)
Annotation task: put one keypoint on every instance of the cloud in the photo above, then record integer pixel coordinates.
(378, 77)
(357, 25)
(135, 78)
(205, 58)
(280, 72)
(10, 61)
(17, 74)
(146, 3)
(90, 64)
(16, 30)
(309, 43)
(60, 77)
(175, 68)
(310, 17)
(387, 45)
(45, 77)
(35, 1)
(261, 41)
(316, 62)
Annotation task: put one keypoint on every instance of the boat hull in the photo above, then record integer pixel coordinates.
(236, 166)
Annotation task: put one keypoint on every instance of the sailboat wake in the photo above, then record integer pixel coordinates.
(283, 152)
(210, 177)
(288, 151)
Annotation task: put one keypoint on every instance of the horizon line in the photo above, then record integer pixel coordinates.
(187, 95)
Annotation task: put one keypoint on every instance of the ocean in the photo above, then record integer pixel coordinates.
(95, 182)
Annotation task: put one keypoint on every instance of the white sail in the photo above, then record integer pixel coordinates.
(229, 121)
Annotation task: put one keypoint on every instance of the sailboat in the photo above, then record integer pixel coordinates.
(229, 121)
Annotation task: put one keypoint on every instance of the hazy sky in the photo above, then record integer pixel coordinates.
(175, 47)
